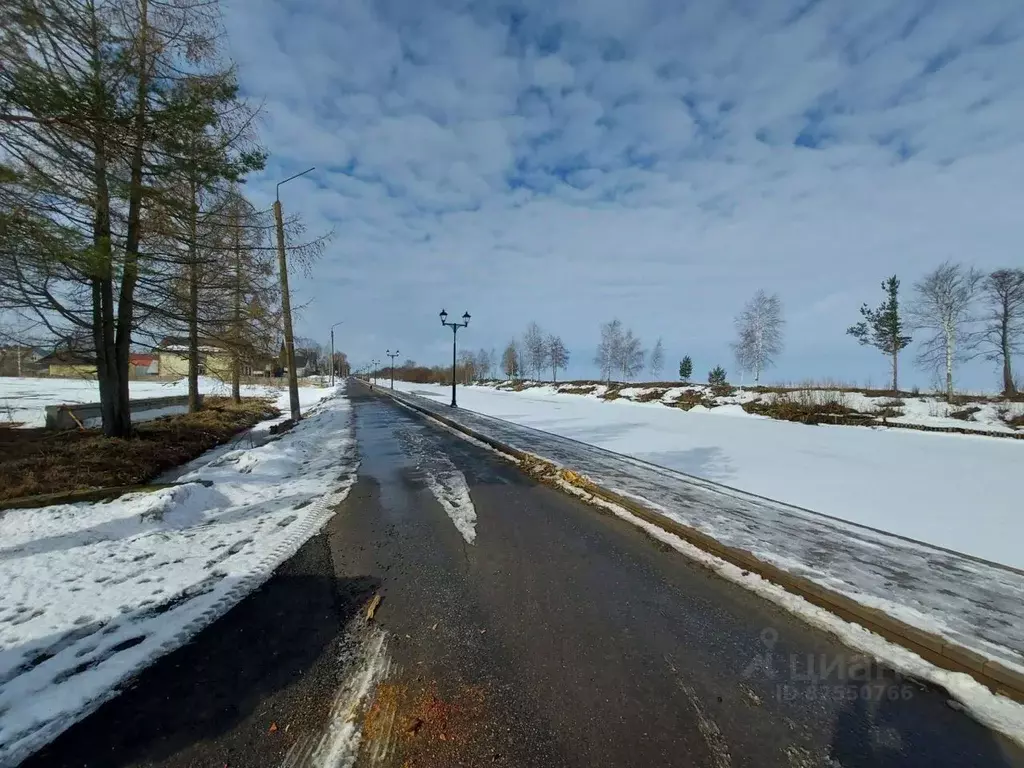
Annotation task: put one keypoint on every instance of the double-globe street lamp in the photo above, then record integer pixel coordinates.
(392, 355)
(454, 325)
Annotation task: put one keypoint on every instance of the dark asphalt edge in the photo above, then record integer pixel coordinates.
(929, 646)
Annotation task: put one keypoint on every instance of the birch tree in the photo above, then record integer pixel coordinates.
(631, 356)
(759, 329)
(558, 355)
(510, 360)
(1002, 334)
(943, 310)
(535, 349)
(609, 349)
(657, 359)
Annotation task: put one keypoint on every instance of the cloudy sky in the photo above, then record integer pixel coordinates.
(652, 160)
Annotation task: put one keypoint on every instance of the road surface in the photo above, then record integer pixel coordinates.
(558, 636)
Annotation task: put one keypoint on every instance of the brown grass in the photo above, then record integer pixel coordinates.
(650, 396)
(965, 414)
(35, 461)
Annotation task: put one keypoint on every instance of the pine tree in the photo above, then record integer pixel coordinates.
(716, 377)
(882, 328)
(685, 368)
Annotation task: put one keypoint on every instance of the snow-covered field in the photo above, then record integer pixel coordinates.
(23, 400)
(949, 490)
(94, 592)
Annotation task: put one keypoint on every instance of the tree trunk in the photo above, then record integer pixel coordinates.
(895, 372)
(236, 355)
(193, 303)
(1009, 389)
(122, 424)
(949, 368)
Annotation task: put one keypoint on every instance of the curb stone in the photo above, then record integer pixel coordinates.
(932, 647)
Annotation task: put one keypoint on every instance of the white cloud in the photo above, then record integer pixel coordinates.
(568, 162)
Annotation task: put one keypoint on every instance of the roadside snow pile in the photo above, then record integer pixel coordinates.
(23, 400)
(95, 592)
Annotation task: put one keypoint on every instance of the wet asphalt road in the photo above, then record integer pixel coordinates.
(561, 636)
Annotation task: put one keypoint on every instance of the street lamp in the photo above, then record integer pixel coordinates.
(454, 325)
(392, 355)
(332, 349)
(286, 302)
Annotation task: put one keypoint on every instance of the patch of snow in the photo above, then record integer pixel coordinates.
(23, 400)
(338, 746)
(95, 592)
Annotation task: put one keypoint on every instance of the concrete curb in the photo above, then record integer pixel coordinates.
(931, 647)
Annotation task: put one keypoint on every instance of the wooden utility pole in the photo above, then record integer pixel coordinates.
(286, 309)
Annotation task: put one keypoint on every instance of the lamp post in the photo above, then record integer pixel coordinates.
(333, 364)
(286, 302)
(454, 325)
(392, 355)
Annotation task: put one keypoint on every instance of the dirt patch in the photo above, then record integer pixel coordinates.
(612, 394)
(650, 396)
(429, 724)
(37, 461)
(965, 414)
(587, 390)
(807, 410)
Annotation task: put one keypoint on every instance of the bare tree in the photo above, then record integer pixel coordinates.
(1002, 335)
(945, 298)
(510, 360)
(759, 328)
(483, 364)
(558, 355)
(657, 359)
(609, 350)
(535, 349)
(631, 356)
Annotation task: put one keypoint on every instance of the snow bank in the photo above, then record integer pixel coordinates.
(95, 592)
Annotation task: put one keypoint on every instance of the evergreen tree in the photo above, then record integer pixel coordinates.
(716, 377)
(883, 328)
(685, 368)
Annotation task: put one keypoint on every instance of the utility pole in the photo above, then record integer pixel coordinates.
(392, 355)
(333, 364)
(286, 303)
(455, 332)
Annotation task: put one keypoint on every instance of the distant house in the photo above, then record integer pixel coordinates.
(144, 364)
(69, 364)
(303, 365)
(20, 361)
(214, 359)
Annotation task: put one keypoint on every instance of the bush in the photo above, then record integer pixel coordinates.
(716, 376)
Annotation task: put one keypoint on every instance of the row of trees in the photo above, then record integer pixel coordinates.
(124, 143)
(961, 313)
(535, 353)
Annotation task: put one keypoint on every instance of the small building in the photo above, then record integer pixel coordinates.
(143, 364)
(69, 364)
(214, 359)
(19, 360)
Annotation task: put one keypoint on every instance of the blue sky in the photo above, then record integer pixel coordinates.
(653, 160)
